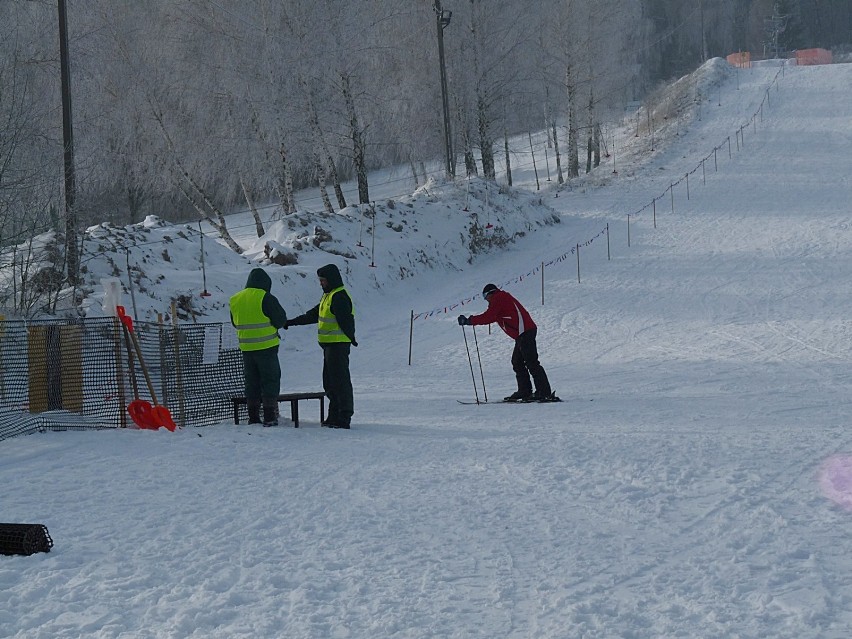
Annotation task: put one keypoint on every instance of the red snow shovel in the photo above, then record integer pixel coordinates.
(141, 411)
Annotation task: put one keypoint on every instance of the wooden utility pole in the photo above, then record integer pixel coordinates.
(72, 256)
(443, 21)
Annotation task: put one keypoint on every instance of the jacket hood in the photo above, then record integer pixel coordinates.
(258, 278)
(331, 273)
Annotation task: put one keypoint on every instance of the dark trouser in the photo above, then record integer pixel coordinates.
(525, 364)
(336, 382)
(262, 373)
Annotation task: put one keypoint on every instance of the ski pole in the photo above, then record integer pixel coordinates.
(481, 374)
(469, 361)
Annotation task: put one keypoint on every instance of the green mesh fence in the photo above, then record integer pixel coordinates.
(76, 374)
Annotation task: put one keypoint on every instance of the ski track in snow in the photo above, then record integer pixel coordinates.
(705, 378)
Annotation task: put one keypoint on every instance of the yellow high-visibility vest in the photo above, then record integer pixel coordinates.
(328, 329)
(254, 330)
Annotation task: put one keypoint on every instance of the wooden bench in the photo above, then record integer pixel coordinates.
(293, 398)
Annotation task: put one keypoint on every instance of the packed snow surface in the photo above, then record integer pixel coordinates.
(694, 482)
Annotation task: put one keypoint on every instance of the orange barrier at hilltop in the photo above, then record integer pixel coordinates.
(742, 59)
(805, 57)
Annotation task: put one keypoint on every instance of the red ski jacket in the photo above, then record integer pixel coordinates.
(508, 312)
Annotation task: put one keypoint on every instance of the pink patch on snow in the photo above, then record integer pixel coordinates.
(835, 480)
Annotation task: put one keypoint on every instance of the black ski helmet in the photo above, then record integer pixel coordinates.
(489, 288)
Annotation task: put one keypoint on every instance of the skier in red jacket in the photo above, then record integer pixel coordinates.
(516, 322)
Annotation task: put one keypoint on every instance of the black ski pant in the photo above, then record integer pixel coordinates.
(336, 382)
(262, 373)
(525, 364)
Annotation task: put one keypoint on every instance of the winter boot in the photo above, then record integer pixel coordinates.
(518, 396)
(542, 384)
(538, 396)
(253, 411)
(270, 411)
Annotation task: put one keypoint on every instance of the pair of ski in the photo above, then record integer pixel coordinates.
(506, 400)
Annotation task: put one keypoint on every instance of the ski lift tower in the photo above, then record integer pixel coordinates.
(773, 28)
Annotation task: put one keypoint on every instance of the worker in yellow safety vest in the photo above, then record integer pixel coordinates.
(257, 315)
(335, 320)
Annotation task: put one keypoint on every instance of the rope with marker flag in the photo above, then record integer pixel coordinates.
(539, 269)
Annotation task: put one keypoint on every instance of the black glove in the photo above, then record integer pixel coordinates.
(285, 327)
(463, 321)
(354, 343)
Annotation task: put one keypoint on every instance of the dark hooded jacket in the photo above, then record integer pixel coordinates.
(341, 304)
(270, 306)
